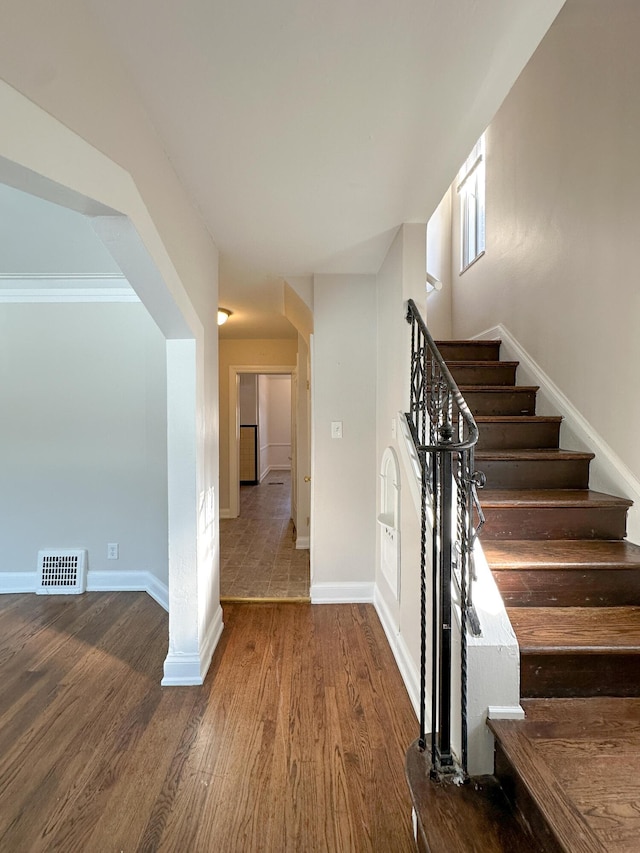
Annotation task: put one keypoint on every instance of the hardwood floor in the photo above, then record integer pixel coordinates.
(472, 818)
(295, 742)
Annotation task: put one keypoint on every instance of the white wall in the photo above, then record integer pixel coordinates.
(560, 270)
(402, 276)
(275, 423)
(439, 303)
(84, 432)
(344, 479)
(302, 508)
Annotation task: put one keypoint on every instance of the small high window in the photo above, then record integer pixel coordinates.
(471, 193)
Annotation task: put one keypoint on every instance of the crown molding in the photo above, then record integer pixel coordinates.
(65, 288)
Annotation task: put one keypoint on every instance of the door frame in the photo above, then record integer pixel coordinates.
(234, 424)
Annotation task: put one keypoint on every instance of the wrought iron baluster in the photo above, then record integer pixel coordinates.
(444, 433)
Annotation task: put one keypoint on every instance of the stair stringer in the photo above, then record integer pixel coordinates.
(608, 472)
(493, 658)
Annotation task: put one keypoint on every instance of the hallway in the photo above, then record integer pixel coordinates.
(258, 556)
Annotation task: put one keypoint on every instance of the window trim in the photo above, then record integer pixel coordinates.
(472, 200)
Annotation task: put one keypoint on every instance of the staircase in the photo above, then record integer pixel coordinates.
(571, 584)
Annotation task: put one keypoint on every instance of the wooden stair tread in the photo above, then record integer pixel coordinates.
(518, 419)
(499, 389)
(467, 342)
(519, 428)
(550, 498)
(531, 454)
(595, 630)
(585, 712)
(591, 749)
(478, 362)
(554, 554)
(479, 373)
(499, 399)
(545, 788)
(482, 372)
(533, 468)
(486, 350)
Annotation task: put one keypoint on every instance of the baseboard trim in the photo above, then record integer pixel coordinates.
(608, 472)
(101, 581)
(505, 712)
(302, 543)
(97, 581)
(273, 468)
(342, 593)
(158, 591)
(118, 581)
(409, 671)
(15, 582)
(387, 620)
(211, 640)
(182, 670)
(226, 513)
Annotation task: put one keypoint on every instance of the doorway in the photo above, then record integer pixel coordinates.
(258, 554)
(266, 425)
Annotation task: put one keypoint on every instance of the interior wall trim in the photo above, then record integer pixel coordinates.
(342, 593)
(65, 288)
(97, 581)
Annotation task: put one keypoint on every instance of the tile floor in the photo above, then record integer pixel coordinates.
(257, 552)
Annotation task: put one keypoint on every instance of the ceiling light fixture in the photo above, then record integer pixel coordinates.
(223, 315)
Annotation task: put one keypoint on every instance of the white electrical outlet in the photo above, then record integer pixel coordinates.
(336, 429)
(112, 551)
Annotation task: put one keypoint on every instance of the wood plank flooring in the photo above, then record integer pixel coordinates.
(471, 818)
(295, 742)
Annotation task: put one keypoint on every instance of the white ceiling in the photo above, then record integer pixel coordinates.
(307, 131)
